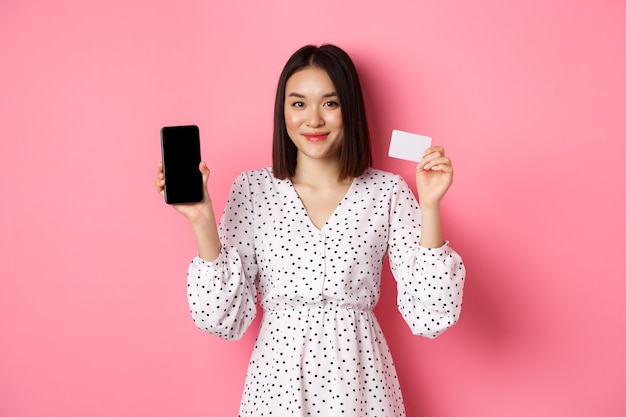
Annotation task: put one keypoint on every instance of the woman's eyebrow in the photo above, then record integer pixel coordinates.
(298, 95)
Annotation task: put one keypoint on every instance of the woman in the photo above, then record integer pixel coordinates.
(307, 237)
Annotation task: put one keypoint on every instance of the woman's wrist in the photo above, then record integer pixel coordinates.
(432, 235)
(429, 205)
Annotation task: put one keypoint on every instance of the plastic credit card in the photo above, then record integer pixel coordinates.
(408, 146)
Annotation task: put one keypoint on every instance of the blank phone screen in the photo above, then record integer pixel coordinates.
(180, 146)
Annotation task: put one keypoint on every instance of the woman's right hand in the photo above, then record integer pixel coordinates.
(192, 211)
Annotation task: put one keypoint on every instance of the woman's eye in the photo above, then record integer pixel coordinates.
(297, 104)
(332, 104)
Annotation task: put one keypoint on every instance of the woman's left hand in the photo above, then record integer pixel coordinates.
(433, 176)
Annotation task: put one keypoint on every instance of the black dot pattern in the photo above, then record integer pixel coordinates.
(320, 350)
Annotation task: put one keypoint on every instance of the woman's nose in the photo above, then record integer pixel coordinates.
(314, 118)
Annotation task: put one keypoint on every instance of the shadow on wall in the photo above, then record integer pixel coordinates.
(491, 328)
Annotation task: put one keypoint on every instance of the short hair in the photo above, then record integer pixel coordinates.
(355, 153)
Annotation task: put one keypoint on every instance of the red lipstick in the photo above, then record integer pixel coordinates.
(315, 137)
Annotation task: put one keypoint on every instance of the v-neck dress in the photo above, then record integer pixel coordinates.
(320, 350)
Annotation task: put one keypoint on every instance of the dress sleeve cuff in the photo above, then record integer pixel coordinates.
(435, 253)
(216, 264)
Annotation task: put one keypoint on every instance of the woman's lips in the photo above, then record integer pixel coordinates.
(315, 137)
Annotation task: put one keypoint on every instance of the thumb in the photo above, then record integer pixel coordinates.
(206, 172)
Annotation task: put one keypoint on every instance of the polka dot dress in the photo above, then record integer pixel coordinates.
(320, 350)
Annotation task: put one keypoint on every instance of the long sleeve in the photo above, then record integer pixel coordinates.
(430, 281)
(222, 294)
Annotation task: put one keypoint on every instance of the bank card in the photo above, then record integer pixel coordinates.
(408, 146)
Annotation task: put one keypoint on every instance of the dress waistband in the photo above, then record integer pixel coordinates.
(329, 306)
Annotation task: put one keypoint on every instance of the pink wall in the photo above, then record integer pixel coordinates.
(528, 98)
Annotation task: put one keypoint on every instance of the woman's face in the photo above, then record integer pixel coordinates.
(313, 114)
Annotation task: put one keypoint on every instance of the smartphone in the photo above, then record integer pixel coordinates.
(180, 150)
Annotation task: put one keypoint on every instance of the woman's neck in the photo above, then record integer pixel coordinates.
(318, 172)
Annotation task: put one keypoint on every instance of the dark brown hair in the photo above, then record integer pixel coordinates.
(355, 154)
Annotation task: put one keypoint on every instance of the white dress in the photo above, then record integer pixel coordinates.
(320, 350)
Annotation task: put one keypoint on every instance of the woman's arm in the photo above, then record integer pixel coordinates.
(433, 178)
(430, 275)
(220, 285)
(200, 215)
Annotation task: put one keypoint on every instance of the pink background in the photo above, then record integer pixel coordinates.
(528, 97)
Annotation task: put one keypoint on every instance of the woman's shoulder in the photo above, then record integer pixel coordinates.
(258, 177)
(384, 183)
(379, 176)
(260, 173)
